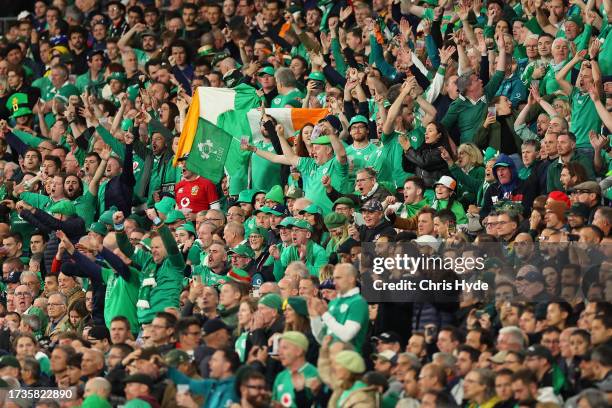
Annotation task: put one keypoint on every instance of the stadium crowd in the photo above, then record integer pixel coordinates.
(454, 129)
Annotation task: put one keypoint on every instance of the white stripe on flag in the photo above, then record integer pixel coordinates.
(282, 116)
(215, 101)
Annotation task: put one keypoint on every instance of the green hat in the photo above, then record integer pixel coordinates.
(220, 57)
(239, 275)
(301, 224)
(246, 196)
(334, 220)
(132, 92)
(489, 154)
(286, 222)
(276, 194)
(577, 19)
(165, 205)
(174, 216)
(296, 338)
(242, 250)
(64, 207)
(42, 316)
(268, 70)
(187, 227)
(345, 201)
(146, 243)
(322, 140)
(9, 361)
(312, 209)
(351, 360)
(259, 231)
(294, 192)
(119, 76)
(316, 76)
(273, 301)
(268, 210)
(107, 216)
(17, 103)
(175, 357)
(99, 228)
(298, 304)
(358, 119)
(206, 50)
(95, 401)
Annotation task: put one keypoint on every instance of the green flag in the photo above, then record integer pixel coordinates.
(209, 151)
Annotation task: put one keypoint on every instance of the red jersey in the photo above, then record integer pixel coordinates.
(198, 194)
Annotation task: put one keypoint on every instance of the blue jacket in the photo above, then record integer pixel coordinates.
(217, 393)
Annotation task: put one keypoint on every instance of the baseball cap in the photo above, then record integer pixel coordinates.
(538, 350)
(387, 337)
(266, 71)
(372, 205)
(175, 357)
(99, 333)
(214, 325)
(388, 355)
(139, 378)
(242, 250)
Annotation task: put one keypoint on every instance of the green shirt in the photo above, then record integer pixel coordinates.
(354, 308)
(281, 100)
(360, 158)
(264, 173)
(457, 209)
(468, 115)
(86, 81)
(316, 257)
(389, 161)
(283, 391)
(312, 173)
(121, 296)
(209, 278)
(584, 117)
(86, 207)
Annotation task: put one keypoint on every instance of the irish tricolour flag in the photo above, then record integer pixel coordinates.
(216, 121)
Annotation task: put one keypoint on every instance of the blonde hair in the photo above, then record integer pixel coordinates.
(473, 153)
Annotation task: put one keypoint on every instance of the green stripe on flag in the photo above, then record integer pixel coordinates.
(209, 151)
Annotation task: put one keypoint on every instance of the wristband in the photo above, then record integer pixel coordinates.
(118, 227)
(157, 221)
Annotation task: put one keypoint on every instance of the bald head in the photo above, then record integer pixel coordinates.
(98, 386)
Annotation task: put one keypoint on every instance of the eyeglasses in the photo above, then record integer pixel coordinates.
(22, 294)
(55, 304)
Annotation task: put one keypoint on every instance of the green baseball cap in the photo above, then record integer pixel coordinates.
(175, 357)
(316, 76)
(242, 250)
(312, 209)
(268, 70)
(119, 76)
(358, 119)
(187, 227)
(268, 210)
(64, 207)
(301, 224)
(17, 103)
(258, 231)
(286, 222)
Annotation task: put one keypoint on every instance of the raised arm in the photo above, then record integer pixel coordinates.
(396, 107)
(606, 117)
(95, 180)
(125, 39)
(567, 87)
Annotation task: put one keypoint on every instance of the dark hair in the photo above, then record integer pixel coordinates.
(231, 357)
(474, 354)
(446, 215)
(168, 317)
(418, 182)
(183, 324)
(122, 319)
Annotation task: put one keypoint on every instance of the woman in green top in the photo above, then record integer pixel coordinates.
(468, 170)
(245, 314)
(445, 198)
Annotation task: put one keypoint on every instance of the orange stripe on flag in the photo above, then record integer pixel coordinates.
(189, 129)
(300, 117)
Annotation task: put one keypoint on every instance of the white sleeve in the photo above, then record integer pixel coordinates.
(316, 325)
(434, 89)
(345, 332)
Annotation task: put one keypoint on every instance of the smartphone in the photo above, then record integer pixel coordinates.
(316, 132)
(244, 141)
(275, 343)
(480, 313)
(182, 388)
(492, 111)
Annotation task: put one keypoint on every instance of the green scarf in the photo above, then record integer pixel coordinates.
(144, 294)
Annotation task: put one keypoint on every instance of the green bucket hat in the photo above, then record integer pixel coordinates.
(99, 228)
(334, 220)
(174, 216)
(298, 304)
(259, 231)
(187, 227)
(276, 194)
(107, 216)
(301, 224)
(316, 76)
(296, 338)
(273, 301)
(165, 205)
(322, 140)
(351, 360)
(358, 119)
(312, 209)
(268, 70)
(242, 250)
(345, 201)
(17, 103)
(64, 207)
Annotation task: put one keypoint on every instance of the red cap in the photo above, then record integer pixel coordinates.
(560, 196)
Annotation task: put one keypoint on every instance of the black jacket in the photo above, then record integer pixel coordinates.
(370, 234)
(426, 162)
(120, 188)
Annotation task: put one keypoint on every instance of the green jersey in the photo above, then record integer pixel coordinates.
(359, 158)
(316, 257)
(350, 306)
(264, 173)
(584, 117)
(281, 100)
(121, 296)
(283, 391)
(209, 278)
(389, 161)
(312, 173)
(86, 207)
